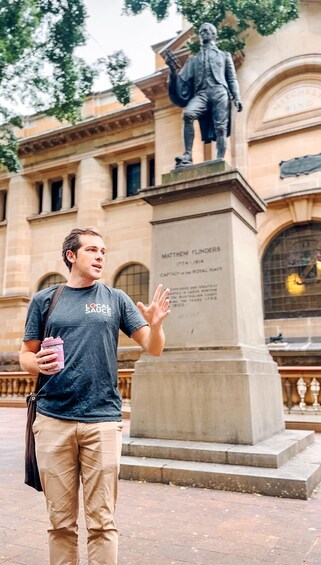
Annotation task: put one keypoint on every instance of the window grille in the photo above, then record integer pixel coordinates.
(134, 280)
(292, 273)
(51, 280)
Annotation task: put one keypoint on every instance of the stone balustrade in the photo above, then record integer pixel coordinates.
(16, 386)
(301, 387)
(125, 384)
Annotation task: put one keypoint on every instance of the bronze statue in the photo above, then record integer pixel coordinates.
(205, 87)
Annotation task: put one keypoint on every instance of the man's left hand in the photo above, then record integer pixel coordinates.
(238, 105)
(158, 310)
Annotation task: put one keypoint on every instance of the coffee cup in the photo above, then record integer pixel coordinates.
(56, 344)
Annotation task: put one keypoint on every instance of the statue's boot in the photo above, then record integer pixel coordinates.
(220, 147)
(183, 160)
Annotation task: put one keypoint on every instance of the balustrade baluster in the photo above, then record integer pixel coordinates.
(5, 387)
(15, 387)
(288, 390)
(302, 388)
(9, 387)
(28, 388)
(22, 386)
(128, 386)
(121, 386)
(315, 389)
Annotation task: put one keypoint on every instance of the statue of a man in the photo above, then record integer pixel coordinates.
(205, 87)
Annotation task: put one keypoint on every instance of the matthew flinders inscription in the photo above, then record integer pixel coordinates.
(193, 259)
(192, 276)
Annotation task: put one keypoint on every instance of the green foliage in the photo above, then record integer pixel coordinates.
(158, 7)
(40, 71)
(116, 66)
(231, 17)
(38, 67)
(9, 146)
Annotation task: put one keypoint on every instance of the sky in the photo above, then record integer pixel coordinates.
(108, 31)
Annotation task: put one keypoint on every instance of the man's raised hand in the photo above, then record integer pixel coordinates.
(158, 310)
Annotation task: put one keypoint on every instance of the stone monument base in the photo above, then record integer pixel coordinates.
(216, 429)
(216, 394)
(287, 464)
(209, 411)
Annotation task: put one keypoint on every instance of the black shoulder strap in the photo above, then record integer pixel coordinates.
(53, 302)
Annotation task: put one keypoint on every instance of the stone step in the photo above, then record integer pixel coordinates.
(297, 478)
(274, 452)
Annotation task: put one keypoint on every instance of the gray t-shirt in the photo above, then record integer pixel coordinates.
(88, 320)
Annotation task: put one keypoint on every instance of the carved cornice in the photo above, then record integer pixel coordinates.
(45, 215)
(154, 85)
(14, 300)
(132, 116)
(282, 199)
(203, 185)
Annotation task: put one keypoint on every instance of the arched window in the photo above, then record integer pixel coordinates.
(292, 273)
(134, 280)
(51, 280)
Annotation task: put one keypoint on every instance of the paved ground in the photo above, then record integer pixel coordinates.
(160, 524)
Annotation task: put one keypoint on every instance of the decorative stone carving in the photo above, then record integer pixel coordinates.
(302, 388)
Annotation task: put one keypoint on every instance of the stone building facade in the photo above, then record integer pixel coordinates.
(90, 175)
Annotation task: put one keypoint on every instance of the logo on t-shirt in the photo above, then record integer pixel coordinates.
(98, 309)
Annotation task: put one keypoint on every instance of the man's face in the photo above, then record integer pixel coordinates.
(88, 262)
(206, 34)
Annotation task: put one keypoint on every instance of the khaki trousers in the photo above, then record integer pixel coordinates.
(67, 451)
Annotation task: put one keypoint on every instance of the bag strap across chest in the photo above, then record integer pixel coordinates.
(53, 302)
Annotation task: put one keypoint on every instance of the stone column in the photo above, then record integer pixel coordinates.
(21, 203)
(66, 197)
(121, 181)
(169, 140)
(216, 380)
(46, 197)
(91, 191)
(143, 172)
(168, 126)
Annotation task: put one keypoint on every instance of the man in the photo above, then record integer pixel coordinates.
(78, 425)
(205, 86)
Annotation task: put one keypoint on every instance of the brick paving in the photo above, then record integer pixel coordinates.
(162, 524)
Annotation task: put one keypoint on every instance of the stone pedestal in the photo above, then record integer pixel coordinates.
(209, 412)
(230, 395)
(216, 381)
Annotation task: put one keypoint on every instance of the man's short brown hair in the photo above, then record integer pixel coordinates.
(72, 242)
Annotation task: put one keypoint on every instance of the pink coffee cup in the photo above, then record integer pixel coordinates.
(56, 344)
